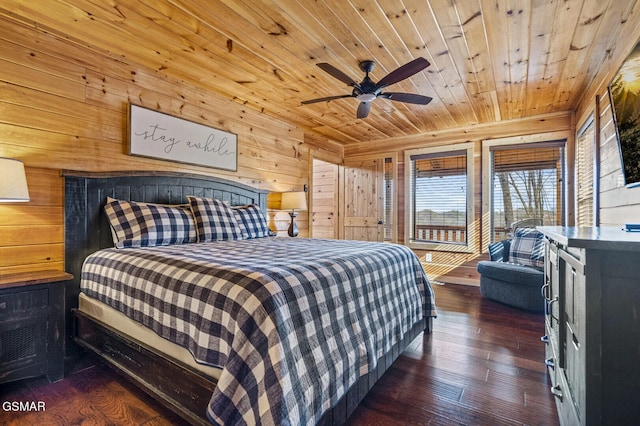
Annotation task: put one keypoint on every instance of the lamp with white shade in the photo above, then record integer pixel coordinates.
(293, 201)
(13, 181)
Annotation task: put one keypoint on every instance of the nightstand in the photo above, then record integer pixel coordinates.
(32, 325)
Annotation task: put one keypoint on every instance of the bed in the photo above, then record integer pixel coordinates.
(293, 331)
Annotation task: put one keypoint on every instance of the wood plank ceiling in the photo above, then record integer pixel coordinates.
(491, 60)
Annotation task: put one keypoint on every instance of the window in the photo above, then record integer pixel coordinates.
(526, 184)
(388, 202)
(585, 155)
(440, 205)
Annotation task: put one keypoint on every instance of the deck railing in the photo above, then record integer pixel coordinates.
(441, 233)
(452, 234)
(500, 234)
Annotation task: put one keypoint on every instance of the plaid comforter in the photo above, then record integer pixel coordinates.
(293, 322)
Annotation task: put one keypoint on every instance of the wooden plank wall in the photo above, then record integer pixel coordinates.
(31, 234)
(618, 204)
(63, 106)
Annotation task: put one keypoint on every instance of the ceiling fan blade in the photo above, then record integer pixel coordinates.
(409, 98)
(335, 72)
(328, 98)
(363, 109)
(405, 71)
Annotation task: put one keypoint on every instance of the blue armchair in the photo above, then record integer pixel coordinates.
(511, 283)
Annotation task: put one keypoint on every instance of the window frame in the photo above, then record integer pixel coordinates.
(468, 147)
(487, 172)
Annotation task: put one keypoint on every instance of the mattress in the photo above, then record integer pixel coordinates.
(133, 329)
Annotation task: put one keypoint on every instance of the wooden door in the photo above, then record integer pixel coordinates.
(324, 199)
(362, 200)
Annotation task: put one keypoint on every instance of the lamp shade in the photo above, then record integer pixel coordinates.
(294, 201)
(13, 181)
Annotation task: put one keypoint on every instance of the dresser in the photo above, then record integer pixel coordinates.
(32, 325)
(592, 324)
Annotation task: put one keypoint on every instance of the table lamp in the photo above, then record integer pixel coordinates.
(293, 201)
(13, 181)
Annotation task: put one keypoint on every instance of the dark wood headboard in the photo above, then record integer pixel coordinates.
(87, 229)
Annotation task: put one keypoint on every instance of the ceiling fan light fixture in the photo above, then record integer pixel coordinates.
(367, 91)
(366, 97)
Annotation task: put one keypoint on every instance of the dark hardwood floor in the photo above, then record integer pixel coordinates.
(482, 365)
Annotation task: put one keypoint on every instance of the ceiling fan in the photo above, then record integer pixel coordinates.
(367, 91)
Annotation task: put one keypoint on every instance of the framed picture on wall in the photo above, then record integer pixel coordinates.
(158, 135)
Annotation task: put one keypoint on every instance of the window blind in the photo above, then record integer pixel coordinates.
(585, 154)
(526, 184)
(439, 197)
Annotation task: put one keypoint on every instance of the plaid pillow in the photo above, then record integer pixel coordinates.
(215, 220)
(252, 221)
(136, 224)
(527, 248)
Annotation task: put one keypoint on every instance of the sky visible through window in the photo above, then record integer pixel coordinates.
(442, 194)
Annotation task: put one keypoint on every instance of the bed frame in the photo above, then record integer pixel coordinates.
(177, 386)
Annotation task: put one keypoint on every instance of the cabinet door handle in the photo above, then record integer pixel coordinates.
(549, 362)
(557, 391)
(545, 293)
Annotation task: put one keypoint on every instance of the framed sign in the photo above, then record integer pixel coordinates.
(157, 135)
